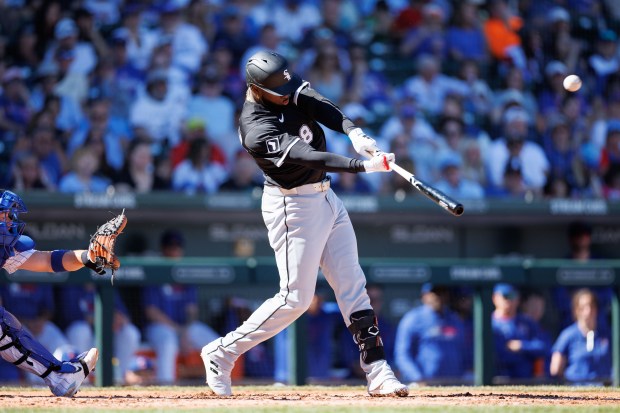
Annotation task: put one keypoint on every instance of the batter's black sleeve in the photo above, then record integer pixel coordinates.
(303, 154)
(323, 110)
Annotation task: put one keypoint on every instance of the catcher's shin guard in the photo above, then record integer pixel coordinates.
(365, 330)
(17, 346)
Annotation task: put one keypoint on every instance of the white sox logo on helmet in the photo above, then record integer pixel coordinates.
(287, 76)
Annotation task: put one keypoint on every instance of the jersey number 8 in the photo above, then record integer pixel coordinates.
(305, 133)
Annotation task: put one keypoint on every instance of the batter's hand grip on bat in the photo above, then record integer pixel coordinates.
(434, 194)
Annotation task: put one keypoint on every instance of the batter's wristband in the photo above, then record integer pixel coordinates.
(56, 260)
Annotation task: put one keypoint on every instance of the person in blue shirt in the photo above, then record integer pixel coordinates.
(429, 340)
(76, 317)
(172, 314)
(582, 352)
(518, 340)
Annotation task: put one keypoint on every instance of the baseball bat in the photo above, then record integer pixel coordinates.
(434, 194)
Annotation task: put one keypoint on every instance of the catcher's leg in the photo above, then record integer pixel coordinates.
(19, 347)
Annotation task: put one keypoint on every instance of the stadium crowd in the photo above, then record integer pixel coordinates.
(144, 95)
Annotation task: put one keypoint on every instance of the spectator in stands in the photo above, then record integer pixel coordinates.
(464, 38)
(610, 156)
(188, 44)
(88, 31)
(429, 37)
(405, 19)
(216, 111)
(293, 19)
(430, 87)
(172, 314)
(502, 34)
(66, 35)
(533, 306)
(140, 39)
(27, 175)
(417, 134)
(23, 48)
(100, 126)
(474, 168)
(15, 112)
(138, 173)
(233, 29)
(582, 352)
(82, 177)
(158, 112)
(368, 86)
(478, 102)
(70, 84)
(452, 182)
(48, 149)
(514, 145)
(429, 340)
(128, 78)
(552, 93)
(326, 74)
(512, 186)
(194, 129)
(245, 176)
(76, 315)
(559, 148)
(518, 341)
(514, 92)
(34, 305)
(178, 80)
(579, 238)
(197, 174)
(604, 61)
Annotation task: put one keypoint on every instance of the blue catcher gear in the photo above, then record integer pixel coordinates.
(17, 346)
(11, 227)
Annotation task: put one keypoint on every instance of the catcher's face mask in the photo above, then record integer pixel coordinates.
(11, 227)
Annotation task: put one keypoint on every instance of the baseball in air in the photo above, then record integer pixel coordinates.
(572, 83)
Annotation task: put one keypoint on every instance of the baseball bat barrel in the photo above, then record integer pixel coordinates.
(434, 194)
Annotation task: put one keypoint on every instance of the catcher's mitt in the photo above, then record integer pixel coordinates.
(101, 248)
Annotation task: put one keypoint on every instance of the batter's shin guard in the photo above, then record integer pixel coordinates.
(17, 346)
(365, 330)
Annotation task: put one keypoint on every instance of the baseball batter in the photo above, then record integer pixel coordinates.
(17, 345)
(307, 224)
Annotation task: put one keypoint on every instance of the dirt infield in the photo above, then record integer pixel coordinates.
(269, 398)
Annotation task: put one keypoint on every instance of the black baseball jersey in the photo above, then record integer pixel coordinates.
(269, 132)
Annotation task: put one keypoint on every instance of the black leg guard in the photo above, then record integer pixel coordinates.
(365, 330)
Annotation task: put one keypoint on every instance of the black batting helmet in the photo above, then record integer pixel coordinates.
(269, 71)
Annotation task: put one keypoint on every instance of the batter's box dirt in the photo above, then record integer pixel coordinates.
(313, 398)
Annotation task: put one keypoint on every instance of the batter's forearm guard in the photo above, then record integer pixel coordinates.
(365, 330)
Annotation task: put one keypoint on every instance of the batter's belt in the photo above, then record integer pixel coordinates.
(299, 190)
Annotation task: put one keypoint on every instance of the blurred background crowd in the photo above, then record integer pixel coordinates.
(114, 95)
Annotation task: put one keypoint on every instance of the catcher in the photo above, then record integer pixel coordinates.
(17, 251)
